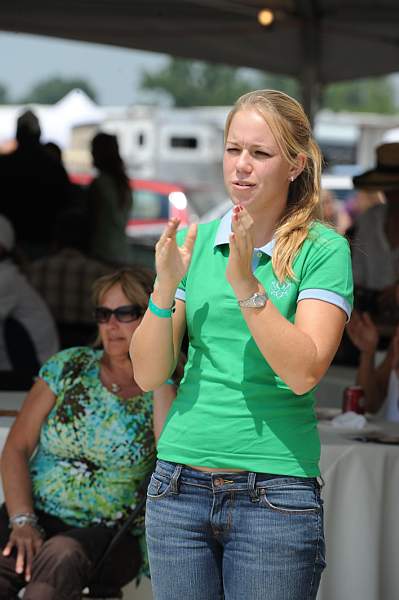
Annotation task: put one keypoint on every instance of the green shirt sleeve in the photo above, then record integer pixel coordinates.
(327, 269)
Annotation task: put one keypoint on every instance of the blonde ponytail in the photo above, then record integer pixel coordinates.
(301, 213)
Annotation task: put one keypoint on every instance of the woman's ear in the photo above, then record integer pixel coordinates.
(298, 167)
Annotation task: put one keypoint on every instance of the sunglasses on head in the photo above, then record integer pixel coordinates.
(123, 314)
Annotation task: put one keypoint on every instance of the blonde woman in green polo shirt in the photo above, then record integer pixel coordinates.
(234, 508)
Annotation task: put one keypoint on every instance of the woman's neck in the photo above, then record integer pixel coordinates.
(264, 227)
(116, 374)
(117, 364)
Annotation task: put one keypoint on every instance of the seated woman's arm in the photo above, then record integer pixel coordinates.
(383, 371)
(374, 381)
(20, 445)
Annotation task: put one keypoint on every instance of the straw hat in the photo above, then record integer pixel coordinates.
(385, 176)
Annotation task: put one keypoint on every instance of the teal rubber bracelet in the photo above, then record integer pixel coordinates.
(163, 313)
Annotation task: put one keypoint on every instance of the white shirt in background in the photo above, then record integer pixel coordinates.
(19, 300)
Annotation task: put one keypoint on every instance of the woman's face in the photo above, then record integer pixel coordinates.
(115, 335)
(256, 174)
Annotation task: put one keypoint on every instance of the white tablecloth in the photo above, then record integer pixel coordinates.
(361, 496)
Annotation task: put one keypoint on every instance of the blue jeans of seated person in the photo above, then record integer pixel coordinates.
(237, 536)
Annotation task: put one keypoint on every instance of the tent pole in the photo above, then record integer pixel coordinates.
(310, 77)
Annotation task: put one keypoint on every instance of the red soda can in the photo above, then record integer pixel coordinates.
(353, 399)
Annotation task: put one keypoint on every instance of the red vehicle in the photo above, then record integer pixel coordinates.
(154, 203)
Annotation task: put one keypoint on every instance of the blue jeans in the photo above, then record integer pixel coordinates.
(237, 536)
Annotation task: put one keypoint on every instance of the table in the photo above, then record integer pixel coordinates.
(361, 496)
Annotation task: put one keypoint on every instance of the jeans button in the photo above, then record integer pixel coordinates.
(218, 481)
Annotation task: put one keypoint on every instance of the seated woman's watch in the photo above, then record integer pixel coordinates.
(257, 300)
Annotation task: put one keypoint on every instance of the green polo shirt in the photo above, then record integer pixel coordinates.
(232, 410)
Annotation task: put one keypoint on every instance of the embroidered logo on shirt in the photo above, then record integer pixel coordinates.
(279, 290)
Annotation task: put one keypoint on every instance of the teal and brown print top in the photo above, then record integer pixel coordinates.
(95, 448)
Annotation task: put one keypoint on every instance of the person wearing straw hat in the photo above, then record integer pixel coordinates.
(376, 243)
(376, 272)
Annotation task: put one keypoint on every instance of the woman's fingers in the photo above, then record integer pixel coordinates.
(246, 219)
(190, 238)
(169, 231)
(233, 242)
(7, 549)
(242, 221)
(29, 553)
(20, 564)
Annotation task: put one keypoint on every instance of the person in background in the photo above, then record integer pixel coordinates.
(356, 205)
(54, 151)
(64, 279)
(75, 457)
(28, 334)
(361, 201)
(233, 507)
(380, 383)
(376, 242)
(35, 188)
(110, 202)
(334, 212)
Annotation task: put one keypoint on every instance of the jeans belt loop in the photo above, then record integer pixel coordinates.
(253, 492)
(174, 482)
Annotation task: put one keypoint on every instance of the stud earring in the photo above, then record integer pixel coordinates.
(292, 178)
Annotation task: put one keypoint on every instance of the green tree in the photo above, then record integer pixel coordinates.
(194, 83)
(51, 90)
(289, 85)
(364, 95)
(4, 99)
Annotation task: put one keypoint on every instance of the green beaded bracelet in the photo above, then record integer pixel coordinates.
(163, 313)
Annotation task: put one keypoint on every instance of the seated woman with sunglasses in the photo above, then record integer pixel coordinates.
(93, 431)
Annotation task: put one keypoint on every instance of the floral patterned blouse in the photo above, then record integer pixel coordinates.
(94, 449)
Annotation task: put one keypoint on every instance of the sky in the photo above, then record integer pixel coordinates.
(113, 72)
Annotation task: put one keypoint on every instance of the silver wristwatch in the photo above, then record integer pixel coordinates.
(257, 300)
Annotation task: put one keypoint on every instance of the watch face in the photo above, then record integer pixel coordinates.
(260, 300)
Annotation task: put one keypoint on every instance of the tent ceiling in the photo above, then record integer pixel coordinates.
(337, 39)
(317, 41)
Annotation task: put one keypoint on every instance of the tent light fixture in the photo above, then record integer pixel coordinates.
(265, 17)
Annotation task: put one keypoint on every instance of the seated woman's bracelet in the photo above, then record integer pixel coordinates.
(163, 313)
(21, 519)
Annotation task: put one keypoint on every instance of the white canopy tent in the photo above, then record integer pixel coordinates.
(57, 120)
